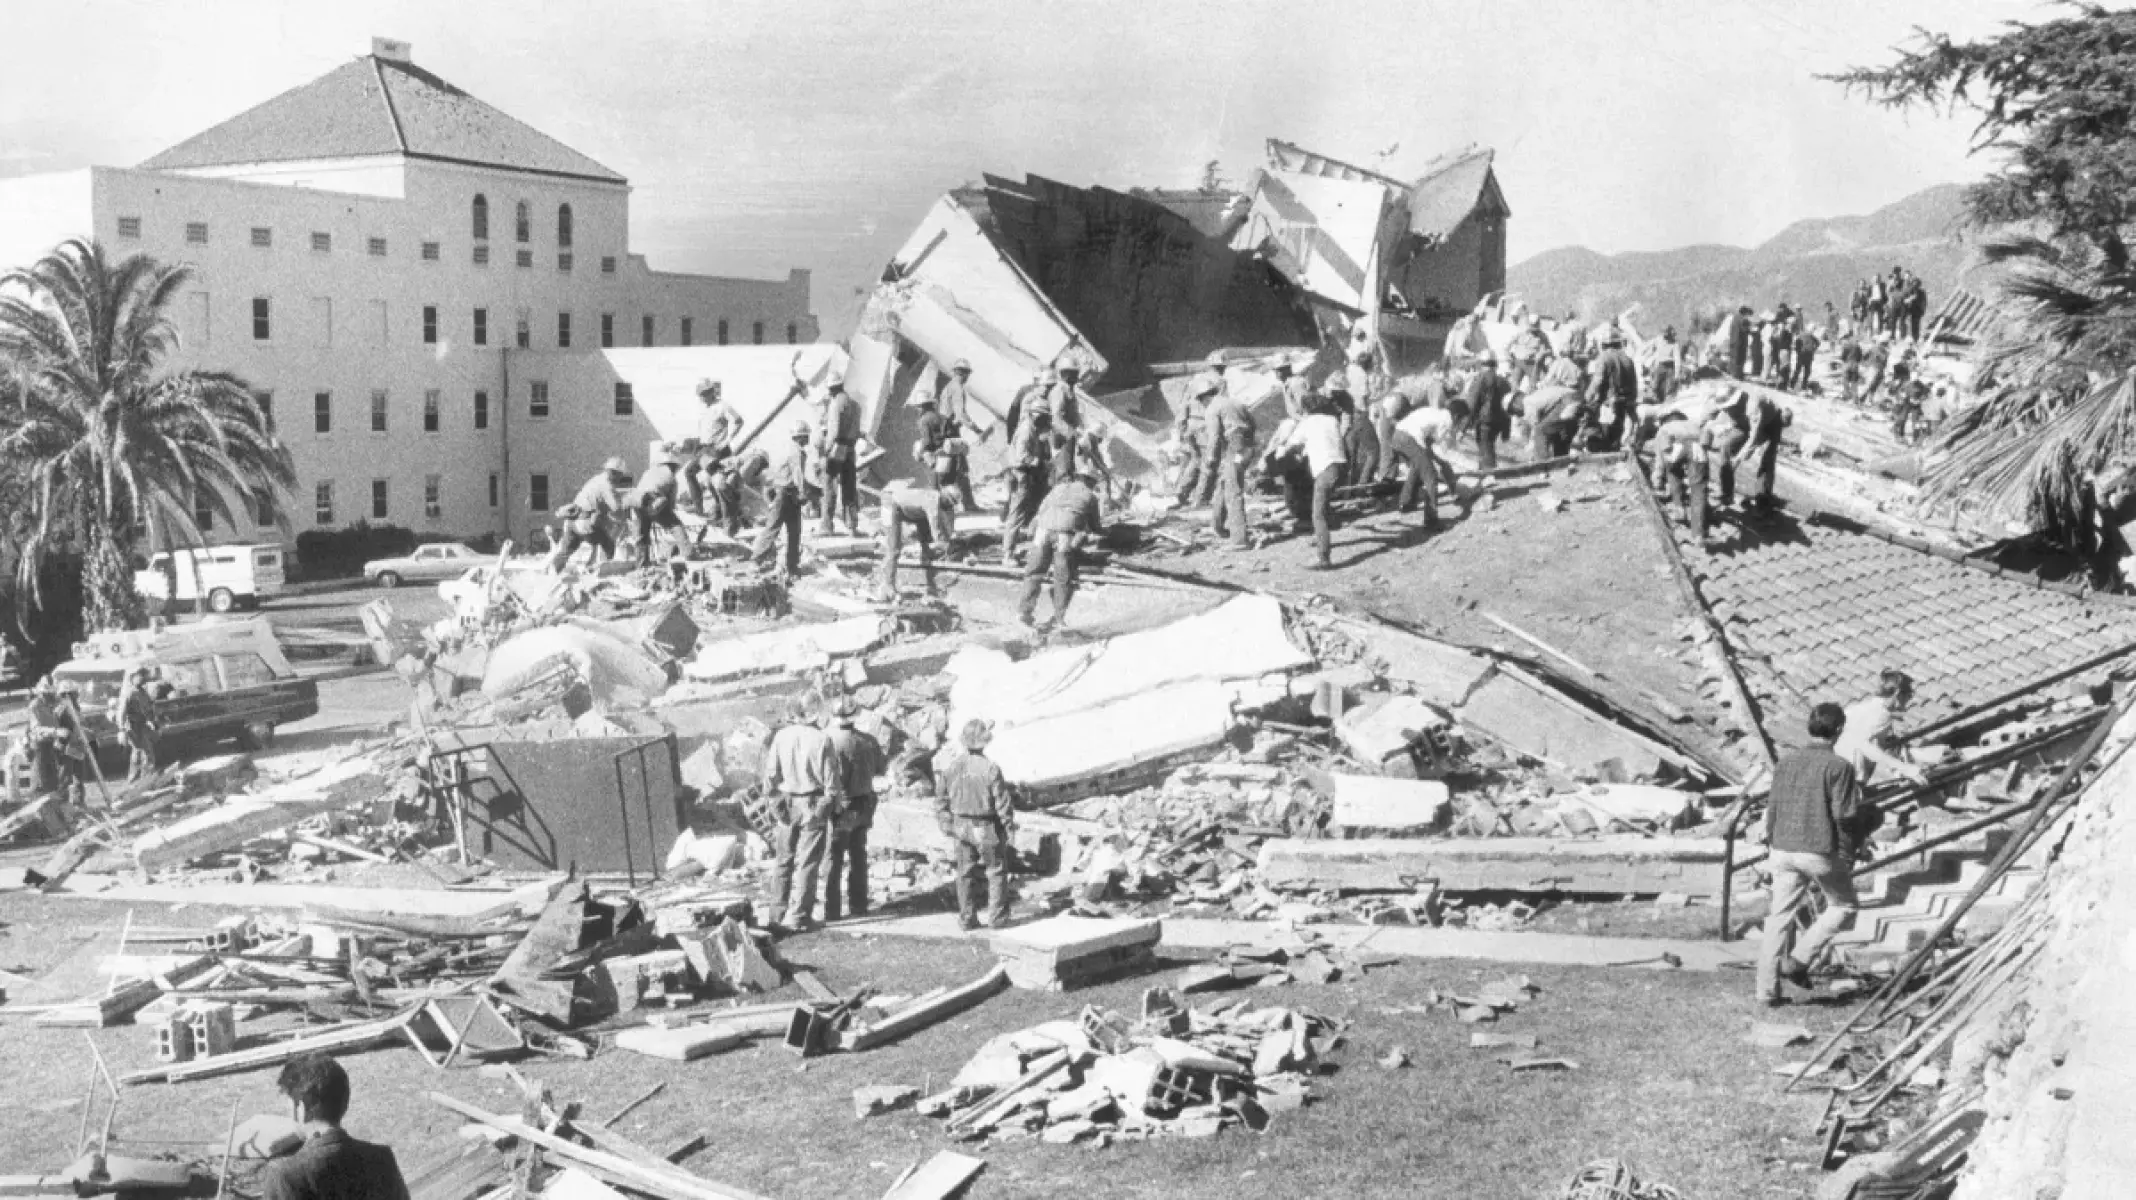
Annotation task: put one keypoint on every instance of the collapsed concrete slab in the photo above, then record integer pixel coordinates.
(611, 667)
(242, 818)
(1623, 865)
(794, 649)
(1397, 806)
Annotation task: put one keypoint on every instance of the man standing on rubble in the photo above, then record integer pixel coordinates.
(593, 515)
(330, 1165)
(976, 811)
(930, 513)
(1809, 830)
(1737, 327)
(943, 453)
(785, 483)
(804, 780)
(861, 761)
(1196, 481)
(1229, 433)
(1486, 400)
(954, 399)
(134, 712)
(718, 424)
(839, 439)
(1319, 436)
(1613, 389)
(1030, 477)
(1868, 742)
(1065, 522)
(1766, 420)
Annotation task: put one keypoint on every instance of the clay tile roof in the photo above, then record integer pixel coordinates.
(1833, 607)
(373, 106)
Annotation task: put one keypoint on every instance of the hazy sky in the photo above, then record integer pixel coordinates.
(809, 133)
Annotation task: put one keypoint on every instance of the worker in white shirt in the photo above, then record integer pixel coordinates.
(1319, 435)
(1415, 438)
(1865, 741)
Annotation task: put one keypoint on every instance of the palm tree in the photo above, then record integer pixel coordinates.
(100, 436)
(2056, 387)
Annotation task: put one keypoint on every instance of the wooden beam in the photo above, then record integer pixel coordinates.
(351, 1036)
(924, 1013)
(945, 1175)
(667, 1184)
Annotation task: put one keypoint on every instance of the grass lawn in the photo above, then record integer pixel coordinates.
(1666, 1081)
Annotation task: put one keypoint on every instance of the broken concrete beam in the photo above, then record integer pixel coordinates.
(1068, 951)
(1387, 730)
(795, 649)
(1533, 719)
(1398, 807)
(242, 818)
(1438, 673)
(945, 1175)
(1618, 865)
(924, 1012)
(877, 1099)
(686, 1044)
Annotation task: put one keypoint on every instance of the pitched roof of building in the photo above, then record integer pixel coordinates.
(1451, 187)
(1827, 606)
(374, 106)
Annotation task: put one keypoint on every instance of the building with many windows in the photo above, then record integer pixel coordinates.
(383, 256)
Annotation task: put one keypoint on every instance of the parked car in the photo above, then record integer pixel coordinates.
(231, 576)
(210, 680)
(439, 561)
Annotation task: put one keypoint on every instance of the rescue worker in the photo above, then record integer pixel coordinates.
(954, 398)
(1555, 413)
(1526, 353)
(836, 447)
(718, 424)
(1387, 411)
(49, 739)
(1806, 347)
(593, 516)
(805, 781)
(1416, 440)
(654, 500)
(861, 761)
(1613, 390)
(785, 484)
(1064, 397)
(1486, 400)
(942, 452)
(1291, 374)
(1197, 480)
(1766, 420)
(1679, 453)
(1067, 519)
(134, 712)
(1737, 329)
(931, 513)
(1030, 477)
(1869, 743)
(1319, 437)
(976, 811)
(1228, 432)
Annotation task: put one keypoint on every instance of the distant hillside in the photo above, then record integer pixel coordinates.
(1807, 263)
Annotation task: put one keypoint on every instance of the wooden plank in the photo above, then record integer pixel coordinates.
(662, 1183)
(1621, 865)
(687, 1044)
(922, 1014)
(944, 1176)
(352, 1036)
(126, 999)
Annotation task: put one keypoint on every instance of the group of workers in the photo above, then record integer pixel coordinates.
(58, 738)
(818, 795)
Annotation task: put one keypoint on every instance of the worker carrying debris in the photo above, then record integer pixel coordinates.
(804, 781)
(1065, 522)
(1813, 821)
(1318, 435)
(1868, 743)
(931, 515)
(330, 1165)
(976, 811)
(1416, 441)
(943, 455)
(593, 516)
(861, 761)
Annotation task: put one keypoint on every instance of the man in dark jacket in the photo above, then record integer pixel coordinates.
(1613, 390)
(330, 1165)
(1810, 825)
(1486, 400)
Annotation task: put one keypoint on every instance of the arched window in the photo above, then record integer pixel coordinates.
(481, 217)
(563, 226)
(523, 223)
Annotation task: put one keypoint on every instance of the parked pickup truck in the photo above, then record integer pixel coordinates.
(213, 679)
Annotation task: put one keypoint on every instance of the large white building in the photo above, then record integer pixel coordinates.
(418, 285)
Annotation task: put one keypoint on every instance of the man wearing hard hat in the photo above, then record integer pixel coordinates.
(785, 482)
(654, 500)
(837, 444)
(592, 516)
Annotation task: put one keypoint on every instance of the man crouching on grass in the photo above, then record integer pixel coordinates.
(1810, 824)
